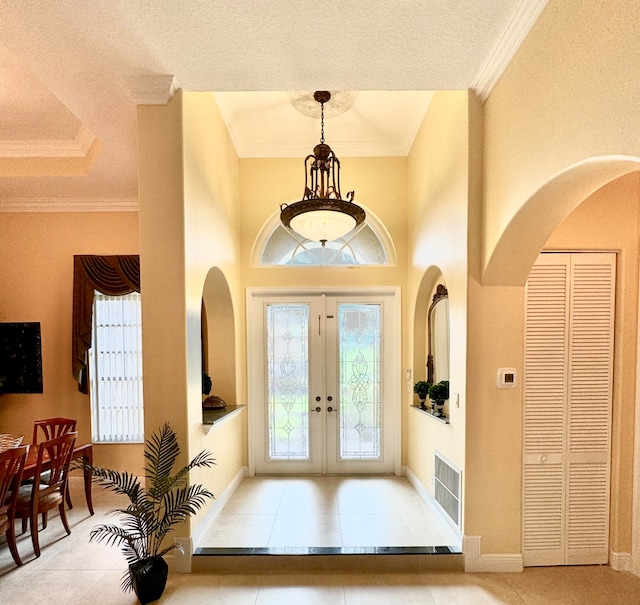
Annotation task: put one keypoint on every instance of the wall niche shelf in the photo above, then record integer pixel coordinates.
(444, 419)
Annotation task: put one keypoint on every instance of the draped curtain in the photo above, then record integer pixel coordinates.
(112, 275)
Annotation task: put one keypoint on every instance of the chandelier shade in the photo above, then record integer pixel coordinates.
(322, 215)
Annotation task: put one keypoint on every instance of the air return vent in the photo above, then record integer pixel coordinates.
(447, 487)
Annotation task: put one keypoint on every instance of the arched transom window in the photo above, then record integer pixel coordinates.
(367, 244)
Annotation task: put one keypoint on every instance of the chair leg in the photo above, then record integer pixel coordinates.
(34, 532)
(11, 541)
(24, 524)
(44, 520)
(63, 516)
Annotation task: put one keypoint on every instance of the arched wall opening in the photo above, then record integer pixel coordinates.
(574, 211)
(430, 280)
(511, 260)
(218, 336)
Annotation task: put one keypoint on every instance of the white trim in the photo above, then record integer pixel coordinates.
(509, 42)
(179, 561)
(152, 89)
(475, 561)
(428, 498)
(620, 561)
(68, 205)
(77, 147)
(218, 505)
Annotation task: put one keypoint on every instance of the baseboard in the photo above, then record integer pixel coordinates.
(620, 561)
(179, 560)
(425, 494)
(475, 561)
(218, 505)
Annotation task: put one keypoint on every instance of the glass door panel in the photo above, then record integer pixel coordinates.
(324, 381)
(287, 336)
(359, 381)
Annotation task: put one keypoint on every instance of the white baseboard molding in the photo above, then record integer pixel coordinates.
(179, 560)
(475, 561)
(620, 561)
(425, 494)
(218, 505)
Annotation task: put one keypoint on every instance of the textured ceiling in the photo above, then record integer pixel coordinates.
(67, 68)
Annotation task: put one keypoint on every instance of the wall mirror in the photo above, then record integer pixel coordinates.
(438, 336)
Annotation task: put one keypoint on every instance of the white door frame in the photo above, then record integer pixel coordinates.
(393, 343)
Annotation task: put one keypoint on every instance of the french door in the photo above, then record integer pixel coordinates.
(324, 371)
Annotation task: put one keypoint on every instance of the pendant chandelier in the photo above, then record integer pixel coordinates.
(322, 215)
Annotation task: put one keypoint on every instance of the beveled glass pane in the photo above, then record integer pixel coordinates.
(288, 381)
(359, 329)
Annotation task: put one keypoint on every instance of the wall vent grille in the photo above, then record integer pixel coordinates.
(447, 487)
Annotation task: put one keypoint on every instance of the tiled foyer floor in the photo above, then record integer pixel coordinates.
(73, 571)
(328, 512)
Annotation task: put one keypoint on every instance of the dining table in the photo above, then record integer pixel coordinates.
(84, 452)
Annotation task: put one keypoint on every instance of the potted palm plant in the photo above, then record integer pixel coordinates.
(152, 511)
(422, 389)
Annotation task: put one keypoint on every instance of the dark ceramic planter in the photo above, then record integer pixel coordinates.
(149, 578)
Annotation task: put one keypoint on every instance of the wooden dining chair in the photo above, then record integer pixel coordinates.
(50, 429)
(53, 455)
(12, 463)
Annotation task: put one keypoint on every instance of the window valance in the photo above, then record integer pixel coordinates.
(113, 275)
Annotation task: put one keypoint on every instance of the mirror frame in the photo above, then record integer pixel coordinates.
(440, 295)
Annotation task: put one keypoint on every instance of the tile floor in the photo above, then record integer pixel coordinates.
(73, 571)
(327, 512)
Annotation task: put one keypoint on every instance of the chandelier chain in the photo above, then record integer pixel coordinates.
(322, 123)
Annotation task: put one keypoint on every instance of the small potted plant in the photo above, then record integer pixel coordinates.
(439, 393)
(422, 389)
(152, 512)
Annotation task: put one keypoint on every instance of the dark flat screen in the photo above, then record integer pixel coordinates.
(20, 358)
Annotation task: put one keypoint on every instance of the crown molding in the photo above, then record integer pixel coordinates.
(509, 42)
(151, 90)
(78, 147)
(67, 205)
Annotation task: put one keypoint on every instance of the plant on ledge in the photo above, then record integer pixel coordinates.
(152, 512)
(439, 393)
(422, 389)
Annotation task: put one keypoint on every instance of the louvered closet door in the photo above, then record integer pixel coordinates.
(567, 409)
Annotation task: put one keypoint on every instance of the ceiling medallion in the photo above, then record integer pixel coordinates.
(322, 215)
(339, 102)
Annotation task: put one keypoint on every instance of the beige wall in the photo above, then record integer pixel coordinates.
(36, 274)
(560, 124)
(566, 105)
(438, 201)
(188, 186)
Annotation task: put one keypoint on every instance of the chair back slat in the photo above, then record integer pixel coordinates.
(12, 463)
(52, 428)
(56, 452)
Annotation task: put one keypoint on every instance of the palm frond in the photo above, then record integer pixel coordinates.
(161, 453)
(152, 513)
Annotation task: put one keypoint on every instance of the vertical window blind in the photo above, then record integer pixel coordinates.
(115, 359)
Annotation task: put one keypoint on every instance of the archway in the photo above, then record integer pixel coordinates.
(513, 256)
(218, 335)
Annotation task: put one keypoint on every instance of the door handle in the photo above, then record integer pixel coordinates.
(318, 409)
(329, 409)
